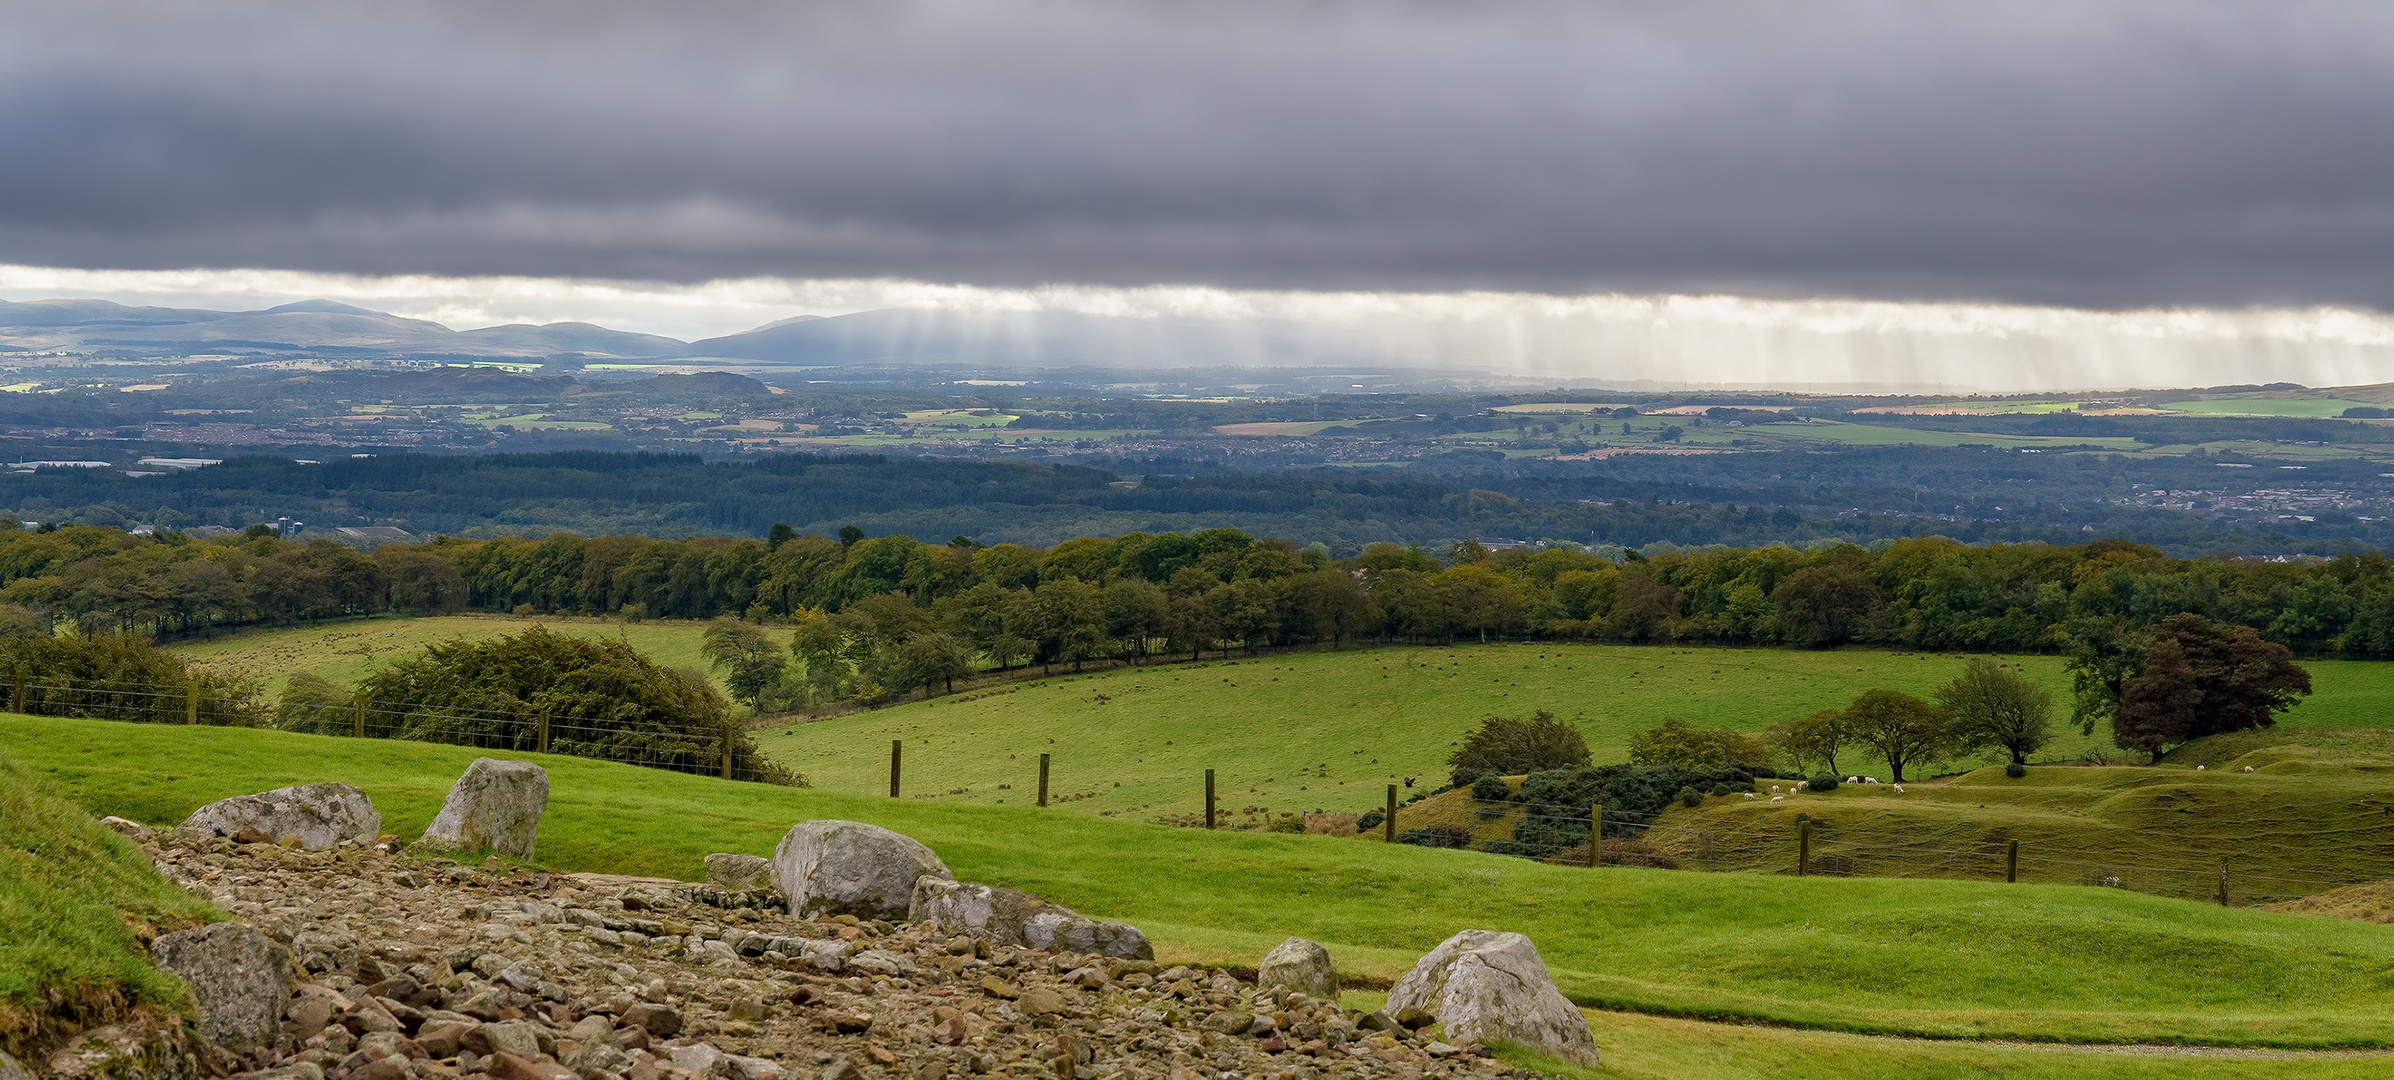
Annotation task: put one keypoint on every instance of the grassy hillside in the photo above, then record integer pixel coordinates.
(1946, 958)
(2312, 815)
(75, 901)
(1328, 730)
(348, 650)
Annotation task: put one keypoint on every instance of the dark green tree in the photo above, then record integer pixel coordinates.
(1995, 706)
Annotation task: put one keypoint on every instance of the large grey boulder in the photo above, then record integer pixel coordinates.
(834, 867)
(320, 815)
(1014, 917)
(1484, 985)
(495, 805)
(239, 978)
(740, 873)
(1299, 965)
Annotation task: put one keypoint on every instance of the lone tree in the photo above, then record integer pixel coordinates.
(750, 660)
(1903, 729)
(1501, 746)
(1994, 706)
(2202, 678)
(1812, 740)
(1681, 745)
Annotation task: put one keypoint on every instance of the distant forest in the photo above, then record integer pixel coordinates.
(1744, 500)
(875, 616)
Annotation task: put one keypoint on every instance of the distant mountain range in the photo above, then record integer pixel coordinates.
(1012, 340)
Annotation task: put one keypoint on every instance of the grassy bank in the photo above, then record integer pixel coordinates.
(1328, 730)
(76, 901)
(1942, 958)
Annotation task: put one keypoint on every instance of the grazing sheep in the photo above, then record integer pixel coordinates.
(1852, 780)
(1774, 789)
(2248, 768)
(1778, 798)
(1801, 785)
(1899, 789)
(2199, 768)
(1749, 794)
(1870, 779)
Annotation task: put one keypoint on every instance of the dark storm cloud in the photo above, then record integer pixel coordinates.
(2079, 153)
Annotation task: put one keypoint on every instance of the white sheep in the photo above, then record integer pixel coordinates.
(1870, 779)
(1778, 798)
(1899, 789)
(2248, 768)
(1749, 794)
(1774, 789)
(2200, 768)
(1801, 785)
(1853, 780)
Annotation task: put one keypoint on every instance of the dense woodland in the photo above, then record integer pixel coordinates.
(880, 615)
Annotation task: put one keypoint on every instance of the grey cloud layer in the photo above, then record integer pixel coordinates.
(2077, 153)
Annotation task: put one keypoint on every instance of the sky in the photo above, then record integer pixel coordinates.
(2208, 183)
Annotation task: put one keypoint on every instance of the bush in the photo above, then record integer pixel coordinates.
(599, 699)
(1509, 847)
(1506, 747)
(1632, 795)
(1691, 798)
(1822, 782)
(1439, 836)
(1370, 820)
(2015, 770)
(1491, 789)
(122, 677)
(1286, 823)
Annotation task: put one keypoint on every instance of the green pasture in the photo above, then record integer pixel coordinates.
(1869, 955)
(348, 650)
(2268, 406)
(2311, 816)
(1328, 730)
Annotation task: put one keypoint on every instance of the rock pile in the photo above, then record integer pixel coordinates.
(420, 971)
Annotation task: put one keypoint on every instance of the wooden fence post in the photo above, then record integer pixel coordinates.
(1596, 836)
(895, 750)
(541, 734)
(360, 725)
(2011, 861)
(1209, 798)
(2223, 883)
(191, 703)
(728, 737)
(1043, 779)
(1804, 847)
(1390, 825)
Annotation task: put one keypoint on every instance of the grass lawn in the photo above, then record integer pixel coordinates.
(1327, 730)
(1944, 958)
(348, 650)
(72, 894)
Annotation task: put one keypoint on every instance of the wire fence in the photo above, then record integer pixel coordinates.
(719, 750)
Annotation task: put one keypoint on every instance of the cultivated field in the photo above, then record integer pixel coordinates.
(1871, 955)
(1328, 730)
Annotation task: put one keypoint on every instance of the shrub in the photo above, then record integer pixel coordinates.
(1491, 789)
(1286, 823)
(1370, 820)
(2015, 770)
(1509, 847)
(122, 677)
(1505, 747)
(1439, 836)
(1632, 795)
(1823, 782)
(1616, 853)
(1678, 744)
(1691, 798)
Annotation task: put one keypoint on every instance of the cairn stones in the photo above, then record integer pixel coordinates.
(239, 978)
(740, 873)
(320, 815)
(1013, 917)
(834, 867)
(1484, 986)
(496, 805)
(1299, 965)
